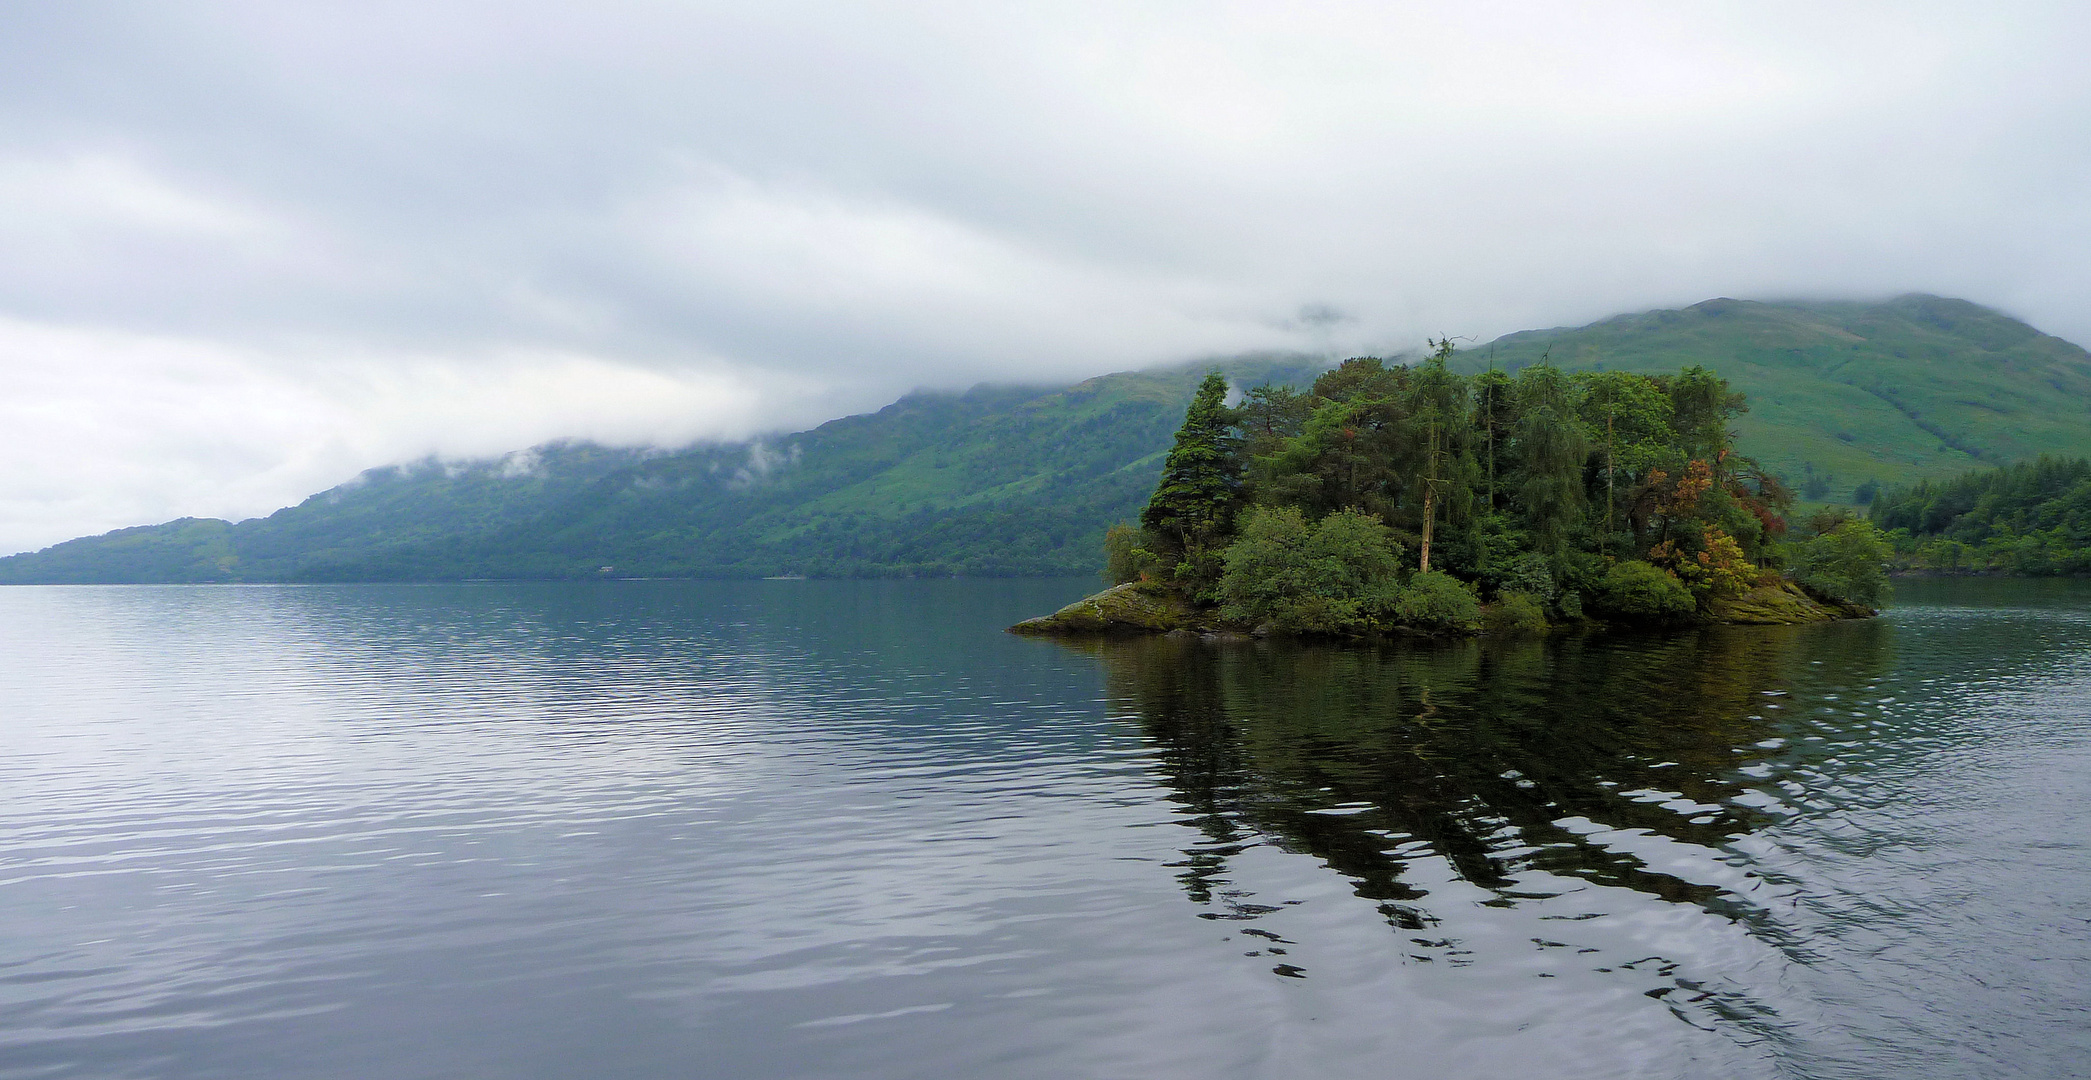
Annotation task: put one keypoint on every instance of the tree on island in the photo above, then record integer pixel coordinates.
(1388, 495)
(1191, 515)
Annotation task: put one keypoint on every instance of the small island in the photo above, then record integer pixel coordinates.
(1399, 500)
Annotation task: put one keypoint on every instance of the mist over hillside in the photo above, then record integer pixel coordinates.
(993, 481)
(1006, 480)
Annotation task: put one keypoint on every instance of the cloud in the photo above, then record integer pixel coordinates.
(109, 429)
(828, 277)
(47, 203)
(254, 247)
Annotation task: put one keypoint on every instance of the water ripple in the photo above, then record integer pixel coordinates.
(800, 829)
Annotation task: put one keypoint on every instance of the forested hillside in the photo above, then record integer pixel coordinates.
(995, 481)
(2031, 518)
(1846, 393)
(1004, 480)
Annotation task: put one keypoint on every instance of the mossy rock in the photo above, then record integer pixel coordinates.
(1783, 604)
(1124, 609)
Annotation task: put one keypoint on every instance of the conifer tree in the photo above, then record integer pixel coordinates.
(1551, 451)
(1701, 406)
(1193, 506)
(1269, 415)
(1495, 416)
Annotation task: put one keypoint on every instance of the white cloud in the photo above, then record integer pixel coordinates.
(964, 299)
(46, 200)
(108, 429)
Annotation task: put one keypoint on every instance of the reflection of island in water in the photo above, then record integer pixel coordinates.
(1500, 758)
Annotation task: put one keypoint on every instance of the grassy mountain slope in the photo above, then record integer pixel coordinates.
(1915, 387)
(998, 480)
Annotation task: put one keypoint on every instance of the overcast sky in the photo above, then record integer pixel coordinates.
(247, 250)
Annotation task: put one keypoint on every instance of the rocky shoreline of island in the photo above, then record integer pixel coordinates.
(1131, 609)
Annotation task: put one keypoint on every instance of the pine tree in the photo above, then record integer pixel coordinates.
(1701, 406)
(1494, 416)
(1551, 451)
(1193, 507)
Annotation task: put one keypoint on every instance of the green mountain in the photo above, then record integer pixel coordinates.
(995, 481)
(1010, 480)
(1916, 387)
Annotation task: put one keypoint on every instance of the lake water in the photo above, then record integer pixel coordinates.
(849, 829)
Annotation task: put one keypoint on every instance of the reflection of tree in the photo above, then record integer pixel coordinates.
(1474, 750)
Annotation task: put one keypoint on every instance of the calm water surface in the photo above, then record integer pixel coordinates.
(814, 829)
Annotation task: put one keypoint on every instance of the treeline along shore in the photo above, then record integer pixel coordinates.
(1389, 499)
(2032, 519)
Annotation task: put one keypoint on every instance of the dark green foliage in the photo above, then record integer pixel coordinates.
(1270, 576)
(1269, 415)
(1365, 377)
(1635, 591)
(2011, 501)
(1587, 468)
(1192, 509)
(1514, 613)
(1550, 456)
(1337, 576)
(1629, 418)
(1700, 407)
(183, 551)
(1351, 450)
(1447, 474)
(1489, 545)
(1495, 414)
(1435, 600)
(2030, 518)
(1529, 574)
(1815, 486)
(1848, 562)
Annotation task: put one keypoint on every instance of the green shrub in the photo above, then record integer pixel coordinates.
(1337, 577)
(1128, 554)
(1358, 561)
(1437, 601)
(1514, 613)
(1847, 562)
(1532, 575)
(1638, 592)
